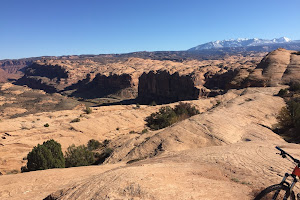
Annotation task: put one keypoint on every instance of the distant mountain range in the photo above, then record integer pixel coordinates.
(250, 44)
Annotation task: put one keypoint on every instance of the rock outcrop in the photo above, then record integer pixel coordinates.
(2, 75)
(92, 77)
(278, 67)
(165, 80)
(163, 87)
(50, 78)
(13, 69)
(105, 86)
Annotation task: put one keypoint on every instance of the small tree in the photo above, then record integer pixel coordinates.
(284, 119)
(282, 92)
(93, 144)
(88, 110)
(186, 109)
(79, 156)
(167, 116)
(103, 156)
(289, 121)
(161, 119)
(294, 86)
(46, 156)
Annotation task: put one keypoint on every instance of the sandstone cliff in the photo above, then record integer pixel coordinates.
(13, 69)
(2, 75)
(163, 87)
(120, 75)
(105, 86)
(49, 78)
(119, 78)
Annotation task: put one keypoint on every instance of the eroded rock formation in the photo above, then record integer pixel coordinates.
(162, 87)
(50, 78)
(278, 67)
(103, 86)
(89, 77)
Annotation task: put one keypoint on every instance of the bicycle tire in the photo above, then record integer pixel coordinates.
(273, 188)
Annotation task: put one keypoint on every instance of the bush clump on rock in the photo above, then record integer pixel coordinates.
(49, 155)
(79, 156)
(289, 121)
(88, 110)
(294, 86)
(46, 156)
(167, 116)
(282, 92)
(93, 144)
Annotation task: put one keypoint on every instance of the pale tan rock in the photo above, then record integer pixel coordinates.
(228, 150)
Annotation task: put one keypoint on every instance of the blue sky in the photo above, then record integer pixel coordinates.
(68, 27)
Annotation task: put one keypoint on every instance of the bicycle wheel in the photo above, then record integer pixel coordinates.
(278, 191)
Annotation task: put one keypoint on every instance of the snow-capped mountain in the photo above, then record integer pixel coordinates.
(241, 42)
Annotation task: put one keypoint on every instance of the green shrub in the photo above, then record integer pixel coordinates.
(103, 156)
(144, 131)
(186, 109)
(46, 125)
(78, 156)
(105, 142)
(289, 121)
(88, 110)
(294, 109)
(161, 119)
(93, 144)
(167, 116)
(285, 119)
(282, 92)
(45, 156)
(294, 86)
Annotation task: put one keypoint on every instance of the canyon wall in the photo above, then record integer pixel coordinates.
(50, 78)
(163, 87)
(120, 86)
(155, 80)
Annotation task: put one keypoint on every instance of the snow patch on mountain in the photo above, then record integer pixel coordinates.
(240, 42)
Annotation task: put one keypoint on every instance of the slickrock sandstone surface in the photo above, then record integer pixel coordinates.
(278, 67)
(228, 150)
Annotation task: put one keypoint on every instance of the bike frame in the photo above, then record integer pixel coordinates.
(284, 182)
(287, 183)
(295, 173)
